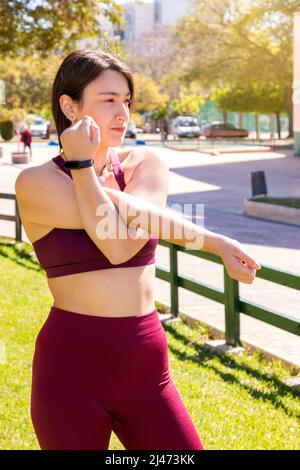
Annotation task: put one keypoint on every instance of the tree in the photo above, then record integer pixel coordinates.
(149, 96)
(235, 43)
(259, 98)
(26, 89)
(52, 26)
(188, 102)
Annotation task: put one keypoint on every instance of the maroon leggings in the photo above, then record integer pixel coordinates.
(94, 375)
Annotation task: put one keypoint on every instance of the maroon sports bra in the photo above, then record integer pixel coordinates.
(68, 251)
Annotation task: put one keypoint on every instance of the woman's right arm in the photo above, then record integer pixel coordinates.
(168, 225)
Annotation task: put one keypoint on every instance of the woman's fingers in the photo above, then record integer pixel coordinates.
(96, 133)
(82, 138)
(92, 129)
(248, 260)
(239, 264)
(243, 273)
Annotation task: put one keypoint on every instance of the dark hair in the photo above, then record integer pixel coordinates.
(76, 71)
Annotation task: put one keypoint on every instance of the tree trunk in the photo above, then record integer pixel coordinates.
(257, 126)
(272, 125)
(289, 109)
(278, 125)
(241, 123)
(225, 116)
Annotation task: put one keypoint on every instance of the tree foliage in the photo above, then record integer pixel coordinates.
(52, 26)
(27, 90)
(238, 44)
(188, 101)
(148, 94)
(258, 98)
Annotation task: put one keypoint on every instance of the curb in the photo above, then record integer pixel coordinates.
(274, 212)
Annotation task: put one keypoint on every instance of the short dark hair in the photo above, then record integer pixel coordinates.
(76, 71)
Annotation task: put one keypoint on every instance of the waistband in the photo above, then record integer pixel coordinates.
(108, 326)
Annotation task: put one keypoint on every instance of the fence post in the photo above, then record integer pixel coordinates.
(174, 279)
(232, 314)
(18, 223)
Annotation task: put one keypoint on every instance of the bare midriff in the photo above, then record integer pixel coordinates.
(114, 292)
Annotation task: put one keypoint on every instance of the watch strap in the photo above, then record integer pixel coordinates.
(78, 164)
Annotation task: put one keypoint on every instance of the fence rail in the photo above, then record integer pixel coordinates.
(14, 218)
(229, 297)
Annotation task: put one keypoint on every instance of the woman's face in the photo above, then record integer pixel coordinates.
(106, 99)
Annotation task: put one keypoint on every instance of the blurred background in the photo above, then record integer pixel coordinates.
(203, 69)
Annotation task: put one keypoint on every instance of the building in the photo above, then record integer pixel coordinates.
(141, 17)
(169, 11)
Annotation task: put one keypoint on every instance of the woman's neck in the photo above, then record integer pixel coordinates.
(101, 160)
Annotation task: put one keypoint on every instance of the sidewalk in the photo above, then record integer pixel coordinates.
(221, 183)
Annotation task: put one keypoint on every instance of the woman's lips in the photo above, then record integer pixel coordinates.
(119, 129)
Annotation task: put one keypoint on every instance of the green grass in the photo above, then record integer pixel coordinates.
(280, 201)
(235, 402)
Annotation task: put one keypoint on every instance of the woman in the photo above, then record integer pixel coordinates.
(101, 362)
(26, 139)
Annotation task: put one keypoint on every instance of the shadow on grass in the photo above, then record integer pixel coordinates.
(20, 252)
(203, 356)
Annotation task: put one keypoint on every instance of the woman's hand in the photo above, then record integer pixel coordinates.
(238, 263)
(80, 141)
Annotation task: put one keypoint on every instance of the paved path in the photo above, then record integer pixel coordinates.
(221, 183)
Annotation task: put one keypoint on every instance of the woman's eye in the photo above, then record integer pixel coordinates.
(112, 101)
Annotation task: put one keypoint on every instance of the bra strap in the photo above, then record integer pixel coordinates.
(60, 162)
(119, 175)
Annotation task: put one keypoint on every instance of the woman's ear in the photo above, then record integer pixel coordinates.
(67, 106)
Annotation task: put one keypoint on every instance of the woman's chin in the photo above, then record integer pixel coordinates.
(118, 138)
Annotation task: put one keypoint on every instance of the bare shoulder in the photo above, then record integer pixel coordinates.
(148, 157)
(150, 176)
(35, 176)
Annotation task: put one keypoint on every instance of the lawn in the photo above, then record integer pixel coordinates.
(280, 201)
(235, 402)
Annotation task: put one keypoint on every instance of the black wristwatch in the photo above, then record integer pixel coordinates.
(77, 164)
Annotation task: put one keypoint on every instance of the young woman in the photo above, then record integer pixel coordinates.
(101, 362)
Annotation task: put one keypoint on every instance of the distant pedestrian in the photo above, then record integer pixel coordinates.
(26, 139)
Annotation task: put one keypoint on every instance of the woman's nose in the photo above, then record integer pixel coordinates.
(123, 112)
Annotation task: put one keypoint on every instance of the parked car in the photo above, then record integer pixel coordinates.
(223, 129)
(39, 128)
(186, 126)
(131, 130)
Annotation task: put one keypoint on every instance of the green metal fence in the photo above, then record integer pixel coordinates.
(14, 218)
(230, 298)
